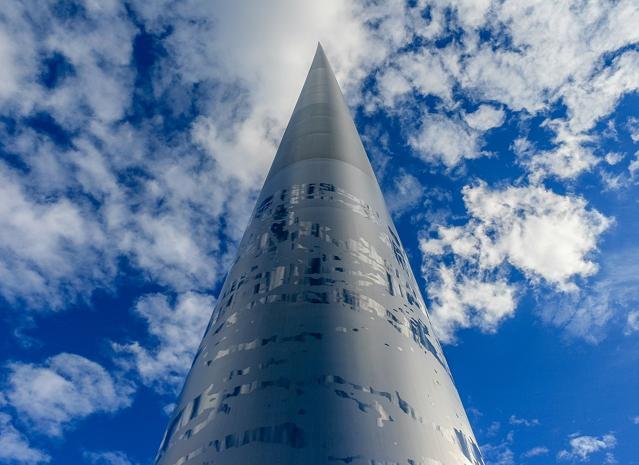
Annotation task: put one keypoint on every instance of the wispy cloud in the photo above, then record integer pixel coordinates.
(513, 420)
(15, 447)
(176, 329)
(108, 458)
(611, 297)
(535, 452)
(405, 194)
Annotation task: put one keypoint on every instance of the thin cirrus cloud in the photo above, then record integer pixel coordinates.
(107, 458)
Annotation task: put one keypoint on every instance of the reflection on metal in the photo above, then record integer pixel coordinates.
(320, 349)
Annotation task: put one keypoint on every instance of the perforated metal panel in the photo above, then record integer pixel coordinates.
(320, 349)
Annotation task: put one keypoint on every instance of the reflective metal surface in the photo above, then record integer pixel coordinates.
(320, 349)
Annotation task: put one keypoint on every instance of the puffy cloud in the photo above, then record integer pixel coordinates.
(542, 233)
(598, 96)
(450, 140)
(423, 72)
(445, 140)
(141, 165)
(485, 117)
(176, 329)
(582, 447)
(546, 236)
(46, 246)
(143, 182)
(568, 159)
(459, 301)
(64, 388)
(530, 64)
(612, 158)
(15, 447)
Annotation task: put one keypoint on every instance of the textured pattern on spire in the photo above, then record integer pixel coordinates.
(320, 349)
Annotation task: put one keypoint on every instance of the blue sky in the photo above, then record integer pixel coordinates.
(134, 138)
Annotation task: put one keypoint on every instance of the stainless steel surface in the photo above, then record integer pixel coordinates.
(320, 349)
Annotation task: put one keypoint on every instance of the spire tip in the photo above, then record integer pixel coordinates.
(319, 60)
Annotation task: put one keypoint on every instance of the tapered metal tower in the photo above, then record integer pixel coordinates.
(320, 349)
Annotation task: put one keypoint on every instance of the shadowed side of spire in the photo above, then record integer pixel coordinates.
(321, 125)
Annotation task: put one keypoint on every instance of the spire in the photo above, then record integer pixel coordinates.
(319, 348)
(321, 125)
(320, 60)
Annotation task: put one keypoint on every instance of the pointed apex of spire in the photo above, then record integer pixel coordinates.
(320, 60)
(321, 126)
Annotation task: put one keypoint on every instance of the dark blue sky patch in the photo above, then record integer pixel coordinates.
(45, 124)
(147, 50)
(9, 129)
(55, 69)
(453, 32)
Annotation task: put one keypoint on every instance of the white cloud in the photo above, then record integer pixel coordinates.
(176, 329)
(632, 322)
(612, 158)
(531, 63)
(568, 159)
(498, 454)
(45, 246)
(450, 140)
(392, 85)
(405, 194)
(445, 140)
(582, 447)
(122, 189)
(535, 452)
(485, 117)
(635, 420)
(548, 237)
(423, 72)
(15, 447)
(147, 192)
(65, 388)
(108, 458)
(542, 233)
(463, 302)
(597, 97)
(632, 125)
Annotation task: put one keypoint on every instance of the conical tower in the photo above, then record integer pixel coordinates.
(320, 349)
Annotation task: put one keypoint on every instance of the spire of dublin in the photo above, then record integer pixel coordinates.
(320, 349)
